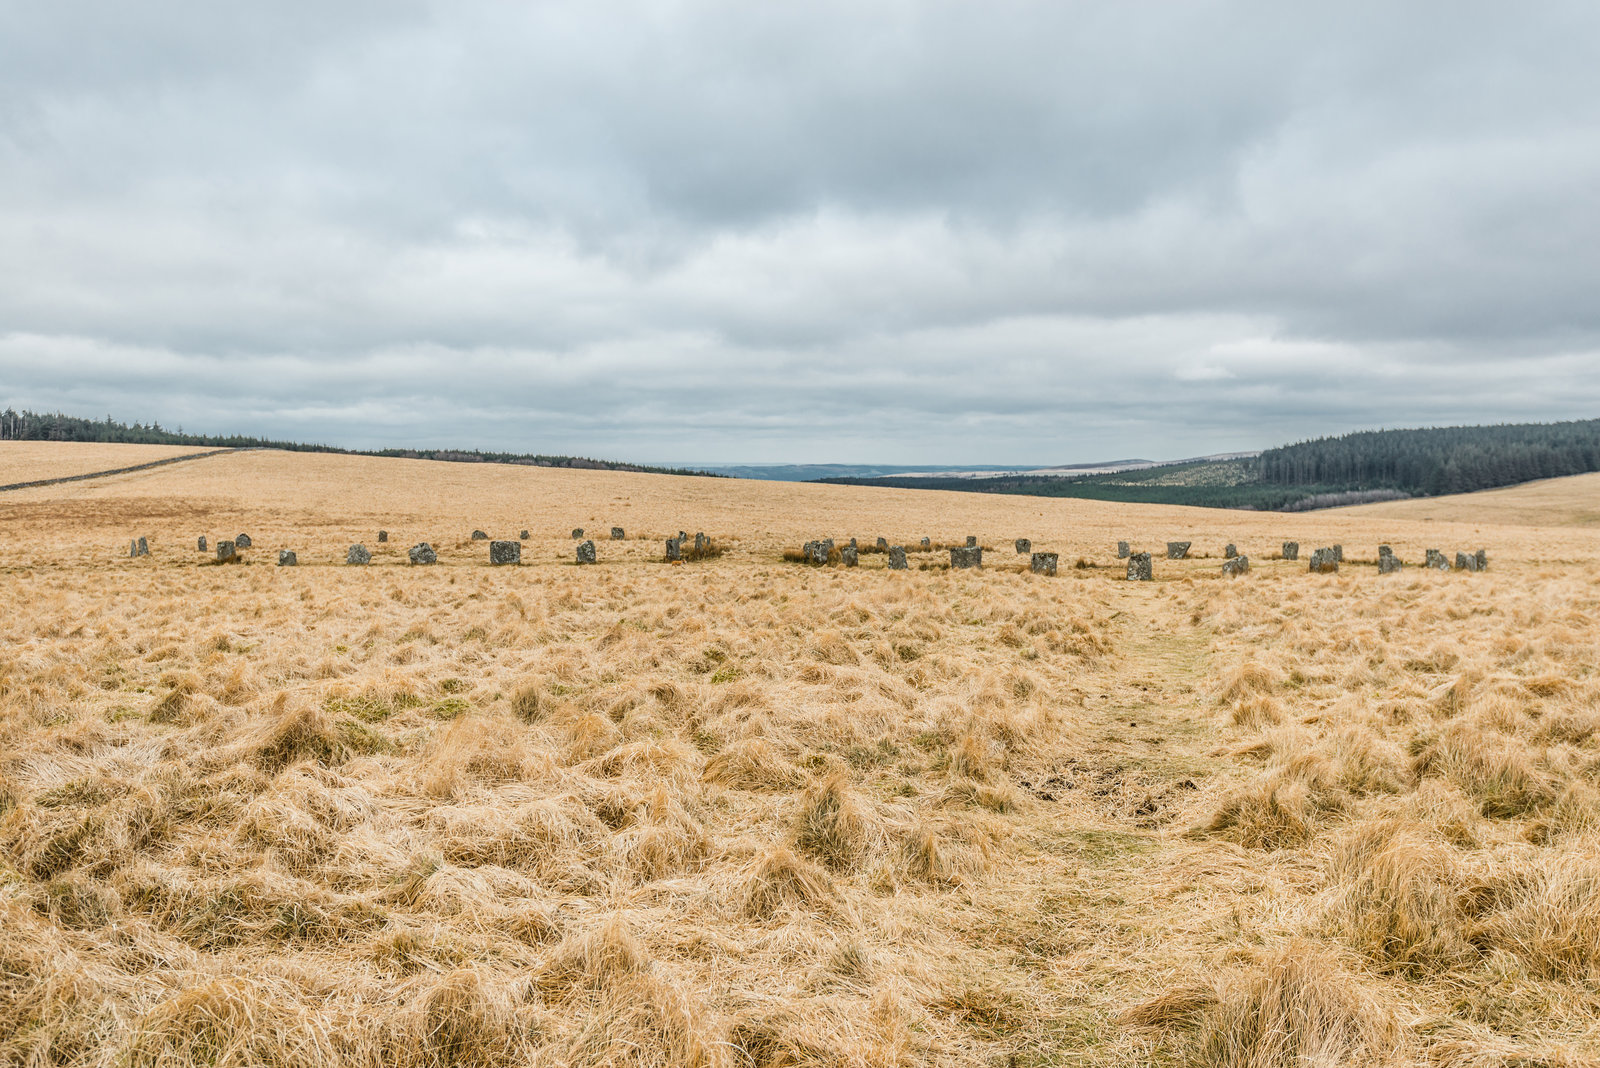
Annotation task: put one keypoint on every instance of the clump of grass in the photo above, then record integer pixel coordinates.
(830, 826)
(752, 764)
(781, 880)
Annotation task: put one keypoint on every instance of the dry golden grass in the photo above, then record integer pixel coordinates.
(743, 812)
(30, 461)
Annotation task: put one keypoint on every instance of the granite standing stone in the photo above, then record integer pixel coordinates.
(1291, 550)
(1123, 551)
(586, 552)
(523, 536)
(225, 551)
(1229, 551)
(1482, 559)
(1043, 563)
(1466, 562)
(1388, 562)
(1323, 562)
(1436, 561)
(577, 533)
(242, 541)
(883, 545)
(1338, 554)
(202, 543)
(358, 555)
(853, 544)
(972, 541)
(927, 543)
(1178, 550)
(850, 555)
(1139, 568)
(674, 549)
(287, 558)
(701, 543)
(1235, 566)
(897, 558)
(383, 536)
(422, 553)
(617, 534)
(133, 548)
(1024, 545)
(816, 553)
(968, 556)
(478, 535)
(505, 552)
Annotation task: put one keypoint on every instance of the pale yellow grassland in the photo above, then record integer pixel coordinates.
(744, 812)
(1549, 502)
(30, 461)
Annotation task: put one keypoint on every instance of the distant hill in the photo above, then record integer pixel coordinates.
(40, 426)
(1359, 468)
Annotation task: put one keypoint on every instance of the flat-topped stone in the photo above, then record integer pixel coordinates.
(1178, 550)
(226, 551)
(966, 556)
(1323, 562)
(674, 550)
(358, 554)
(1024, 545)
(383, 535)
(1435, 560)
(586, 552)
(287, 558)
(1338, 553)
(1291, 550)
(505, 552)
(897, 558)
(1139, 568)
(972, 541)
(850, 555)
(202, 543)
(1235, 566)
(1123, 551)
(1043, 563)
(422, 553)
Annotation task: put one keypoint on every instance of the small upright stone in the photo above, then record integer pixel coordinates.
(287, 558)
(972, 541)
(1338, 553)
(1466, 562)
(683, 536)
(1024, 545)
(1139, 568)
(242, 541)
(816, 553)
(1235, 566)
(674, 550)
(927, 543)
(968, 556)
(827, 544)
(577, 533)
(225, 552)
(1482, 558)
(358, 555)
(1388, 562)
(478, 535)
(1291, 550)
(202, 543)
(1436, 561)
(897, 558)
(586, 552)
(1323, 562)
(883, 545)
(1043, 563)
(523, 536)
(1178, 550)
(853, 544)
(144, 547)
(850, 555)
(1229, 551)
(1123, 551)
(422, 553)
(133, 548)
(383, 536)
(701, 543)
(617, 534)
(505, 552)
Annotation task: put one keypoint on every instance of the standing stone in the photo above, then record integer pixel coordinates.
(1123, 552)
(883, 545)
(1024, 545)
(617, 534)
(1139, 568)
(1235, 566)
(853, 544)
(850, 555)
(1323, 562)
(383, 535)
(133, 548)
(1385, 550)
(1482, 559)
(701, 543)
(1043, 563)
(523, 536)
(1388, 562)
(972, 541)
(1291, 550)
(422, 553)
(683, 536)
(287, 558)
(897, 558)
(827, 544)
(1178, 550)
(674, 550)
(1229, 551)
(1466, 562)
(225, 552)
(505, 552)
(478, 535)
(202, 543)
(927, 543)
(969, 556)
(358, 555)
(586, 552)
(577, 533)
(144, 547)
(1436, 561)
(1338, 554)
(816, 554)
(242, 541)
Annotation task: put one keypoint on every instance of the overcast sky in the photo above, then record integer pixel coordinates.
(717, 232)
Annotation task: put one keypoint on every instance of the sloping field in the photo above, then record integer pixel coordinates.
(1573, 501)
(745, 812)
(31, 461)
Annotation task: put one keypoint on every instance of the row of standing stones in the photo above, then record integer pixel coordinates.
(819, 553)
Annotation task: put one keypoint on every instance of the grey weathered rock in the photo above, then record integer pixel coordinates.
(968, 556)
(850, 555)
(242, 541)
(144, 547)
(1323, 561)
(422, 553)
(1235, 566)
(701, 543)
(383, 535)
(1139, 567)
(853, 544)
(225, 551)
(133, 548)
(827, 543)
(1123, 551)
(1385, 550)
(577, 533)
(523, 536)
(1388, 562)
(1043, 563)
(927, 543)
(617, 534)
(683, 536)
(358, 555)
(1482, 558)
(883, 545)
(505, 552)
(478, 535)
(1024, 545)
(586, 552)
(1291, 550)
(1229, 551)
(1338, 553)
(897, 558)
(1436, 561)
(816, 553)
(1466, 562)
(202, 543)
(287, 558)
(972, 541)
(1178, 550)
(674, 550)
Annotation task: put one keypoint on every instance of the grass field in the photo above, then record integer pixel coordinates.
(744, 812)
(31, 461)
